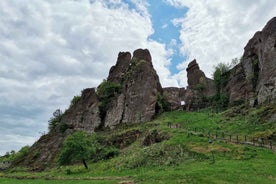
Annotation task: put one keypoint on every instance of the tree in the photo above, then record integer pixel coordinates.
(55, 120)
(220, 75)
(79, 146)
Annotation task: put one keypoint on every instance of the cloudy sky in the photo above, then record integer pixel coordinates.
(50, 50)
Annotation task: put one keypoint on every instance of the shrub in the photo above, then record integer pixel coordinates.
(55, 120)
(105, 92)
(74, 100)
(162, 104)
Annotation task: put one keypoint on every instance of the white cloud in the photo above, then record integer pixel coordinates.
(50, 50)
(216, 31)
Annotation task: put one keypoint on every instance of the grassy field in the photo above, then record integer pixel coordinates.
(178, 155)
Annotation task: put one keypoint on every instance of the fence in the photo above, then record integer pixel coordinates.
(229, 137)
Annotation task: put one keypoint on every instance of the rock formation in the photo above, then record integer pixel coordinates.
(84, 115)
(174, 96)
(140, 87)
(199, 87)
(254, 79)
(133, 94)
(132, 100)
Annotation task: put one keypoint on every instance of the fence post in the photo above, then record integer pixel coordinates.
(270, 144)
(216, 135)
(245, 140)
(230, 136)
(237, 139)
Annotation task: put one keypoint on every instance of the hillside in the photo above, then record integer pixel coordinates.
(180, 147)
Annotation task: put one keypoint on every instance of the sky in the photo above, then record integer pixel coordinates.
(51, 50)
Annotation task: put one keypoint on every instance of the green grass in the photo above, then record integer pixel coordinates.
(186, 157)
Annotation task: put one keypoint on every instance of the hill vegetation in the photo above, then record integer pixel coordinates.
(176, 147)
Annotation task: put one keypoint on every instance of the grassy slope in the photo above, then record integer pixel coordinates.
(186, 157)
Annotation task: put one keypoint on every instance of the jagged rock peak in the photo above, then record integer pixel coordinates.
(117, 71)
(142, 54)
(192, 66)
(198, 86)
(194, 74)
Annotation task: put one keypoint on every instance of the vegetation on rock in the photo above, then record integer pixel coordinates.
(55, 120)
(106, 91)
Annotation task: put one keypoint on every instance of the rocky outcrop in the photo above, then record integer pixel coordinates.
(175, 96)
(140, 87)
(85, 114)
(236, 85)
(117, 71)
(199, 87)
(254, 79)
(134, 100)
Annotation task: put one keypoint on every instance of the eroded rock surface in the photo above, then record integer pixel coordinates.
(199, 87)
(254, 79)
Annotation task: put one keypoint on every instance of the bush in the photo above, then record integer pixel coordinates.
(162, 104)
(221, 76)
(12, 156)
(74, 100)
(55, 120)
(105, 92)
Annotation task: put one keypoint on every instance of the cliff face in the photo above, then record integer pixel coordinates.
(140, 87)
(254, 79)
(84, 115)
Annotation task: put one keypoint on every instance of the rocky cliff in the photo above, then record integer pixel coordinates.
(140, 84)
(253, 80)
(129, 95)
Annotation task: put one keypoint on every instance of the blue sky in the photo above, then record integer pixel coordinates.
(165, 31)
(52, 50)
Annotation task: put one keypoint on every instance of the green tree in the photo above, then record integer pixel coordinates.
(220, 75)
(79, 146)
(55, 120)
